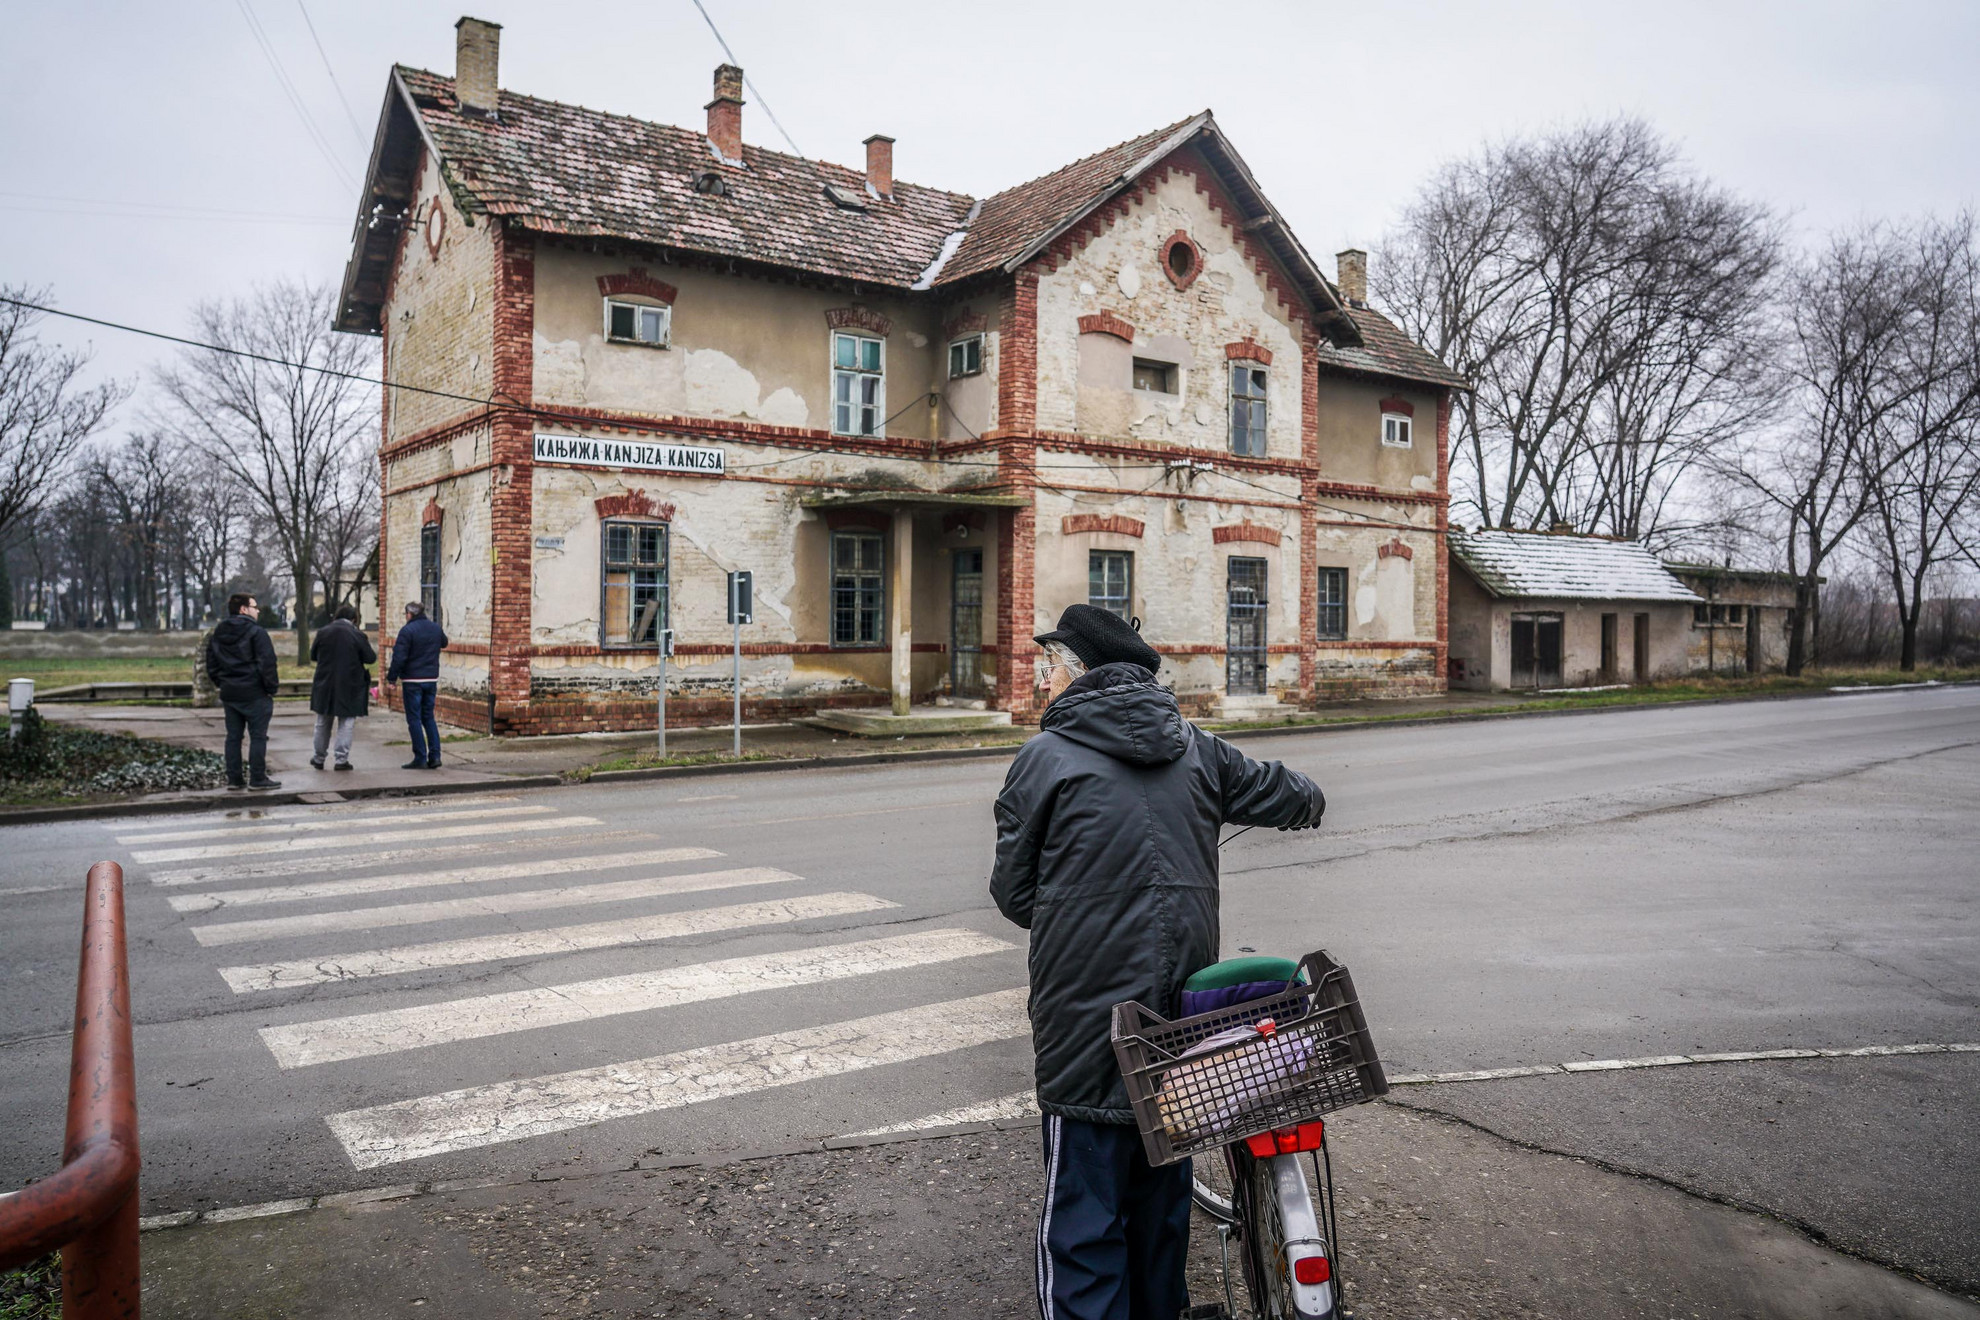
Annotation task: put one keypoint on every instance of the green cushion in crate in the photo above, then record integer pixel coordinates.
(1242, 971)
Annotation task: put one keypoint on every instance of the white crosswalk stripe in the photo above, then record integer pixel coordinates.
(538, 943)
(382, 884)
(320, 823)
(508, 1111)
(482, 905)
(1022, 1105)
(268, 868)
(335, 1039)
(313, 843)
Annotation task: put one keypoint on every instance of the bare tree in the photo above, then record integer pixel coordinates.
(1605, 305)
(350, 537)
(141, 488)
(1921, 468)
(277, 405)
(46, 411)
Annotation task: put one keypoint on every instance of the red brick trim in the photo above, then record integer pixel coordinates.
(1248, 349)
(1354, 491)
(510, 484)
(1180, 239)
(1106, 323)
(432, 515)
(580, 651)
(633, 504)
(1074, 523)
(1245, 531)
(1017, 355)
(638, 283)
(1394, 405)
(1073, 443)
(1309, 516)
(1218, 648)
(1402, 644)
(1394, 548)
(839, 520)
(858, 318)
(968, 321)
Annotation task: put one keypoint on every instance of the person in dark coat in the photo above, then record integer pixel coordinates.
(1107, 852)
(341, 691)
(241, 662)
(416, 669)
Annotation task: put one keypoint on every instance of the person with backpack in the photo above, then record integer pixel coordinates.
(240, 661)
(1107, 832)
(416, 669)
(340, 693)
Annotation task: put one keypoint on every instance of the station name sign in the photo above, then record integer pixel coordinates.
(643, 455)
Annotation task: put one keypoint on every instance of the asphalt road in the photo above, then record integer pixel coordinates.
(1675, 880)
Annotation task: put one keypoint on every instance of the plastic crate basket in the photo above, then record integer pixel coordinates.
(1215, 1078)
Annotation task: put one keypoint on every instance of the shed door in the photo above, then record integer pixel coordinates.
(1536, 650)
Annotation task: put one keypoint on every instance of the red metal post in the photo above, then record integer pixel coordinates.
(89, 1207)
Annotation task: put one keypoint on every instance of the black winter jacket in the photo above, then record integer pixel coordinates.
(1107, 851)
(342, 686)
(240, 660)
(416, 651)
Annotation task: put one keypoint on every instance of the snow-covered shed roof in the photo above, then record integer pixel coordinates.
(1555, 566)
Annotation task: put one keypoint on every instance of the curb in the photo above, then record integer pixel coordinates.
(172, 806)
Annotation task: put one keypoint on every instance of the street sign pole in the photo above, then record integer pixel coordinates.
(663, 641)
(741, 607)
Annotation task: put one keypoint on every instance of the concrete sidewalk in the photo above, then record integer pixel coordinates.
(1439, 1220)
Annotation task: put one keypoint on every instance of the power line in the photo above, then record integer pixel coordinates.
(294, 97)
(357, 130)
(571, 419)
(760, 99)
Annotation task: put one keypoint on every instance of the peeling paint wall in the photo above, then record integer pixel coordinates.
(741, 347)
(1086, 385)
(440, 334)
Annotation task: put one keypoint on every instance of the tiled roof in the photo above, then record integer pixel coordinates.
(1014, 218)
(564, 169)
(1536, 565)
(1386, 351)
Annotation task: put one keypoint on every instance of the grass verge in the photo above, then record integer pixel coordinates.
(68, 671)
(34, 1291)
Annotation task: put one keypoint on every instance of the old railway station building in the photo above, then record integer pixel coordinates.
(925, 422)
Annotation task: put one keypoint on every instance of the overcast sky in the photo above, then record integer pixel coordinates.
(150, 158)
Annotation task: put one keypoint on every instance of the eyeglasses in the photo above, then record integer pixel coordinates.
(1043, 666)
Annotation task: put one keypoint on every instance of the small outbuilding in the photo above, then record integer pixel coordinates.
(1538, 610)
(1741, 623)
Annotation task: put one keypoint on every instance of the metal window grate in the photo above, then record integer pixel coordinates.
(1110, 581)
(858, 589)
(1333, 604)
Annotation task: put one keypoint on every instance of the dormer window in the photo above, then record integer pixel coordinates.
(1395, 430)
(637, 323)
(710, 183)
(845, 198)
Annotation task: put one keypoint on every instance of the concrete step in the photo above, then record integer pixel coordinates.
(880, 722)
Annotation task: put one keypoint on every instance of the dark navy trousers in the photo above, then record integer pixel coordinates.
(418, 699)
(1114, 1234)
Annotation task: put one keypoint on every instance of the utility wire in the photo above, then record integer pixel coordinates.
(760, 100)
(357, 129)
(571, 419)
(294, 97)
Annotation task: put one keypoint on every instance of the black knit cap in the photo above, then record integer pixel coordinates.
(1101, 637)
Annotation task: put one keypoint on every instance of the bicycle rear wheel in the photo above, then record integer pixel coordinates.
(1211, 1189)
(1282, 1231)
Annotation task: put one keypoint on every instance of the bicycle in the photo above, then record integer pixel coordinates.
(1244, 1086)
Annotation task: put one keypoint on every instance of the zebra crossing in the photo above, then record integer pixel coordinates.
(262, 898)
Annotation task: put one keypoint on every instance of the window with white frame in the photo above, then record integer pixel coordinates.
(859, 384)
(859, 591)
(1395, 430)
(966, 357)
(633, 572)
(1248, 381)
(638, 323)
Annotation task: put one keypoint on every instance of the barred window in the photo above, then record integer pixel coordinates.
(634, 571)
(1110, 581)
(859, 591)
(429, 570)
(1333, 604)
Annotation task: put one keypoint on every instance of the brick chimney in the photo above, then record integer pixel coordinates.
(477, 57)
(1351, 273)
(880, 164)
(725, 114)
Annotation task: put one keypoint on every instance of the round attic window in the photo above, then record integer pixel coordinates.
(1182, 261)
(436, 227)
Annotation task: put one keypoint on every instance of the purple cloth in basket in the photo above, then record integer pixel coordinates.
(1209, 1001)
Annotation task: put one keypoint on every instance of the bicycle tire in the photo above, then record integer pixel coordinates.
(1210, 1186)
(1278, 1205)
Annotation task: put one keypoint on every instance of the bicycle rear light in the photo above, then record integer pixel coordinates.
(1311, 1269)
(1287, 1140)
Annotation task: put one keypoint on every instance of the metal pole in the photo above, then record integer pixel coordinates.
(662, 648)
(738, 684)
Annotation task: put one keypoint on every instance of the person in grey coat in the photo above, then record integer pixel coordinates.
(341, 691)
(1107, 853)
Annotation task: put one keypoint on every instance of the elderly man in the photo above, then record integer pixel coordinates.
(340, 694)
(416, 669)
(1107, 852)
